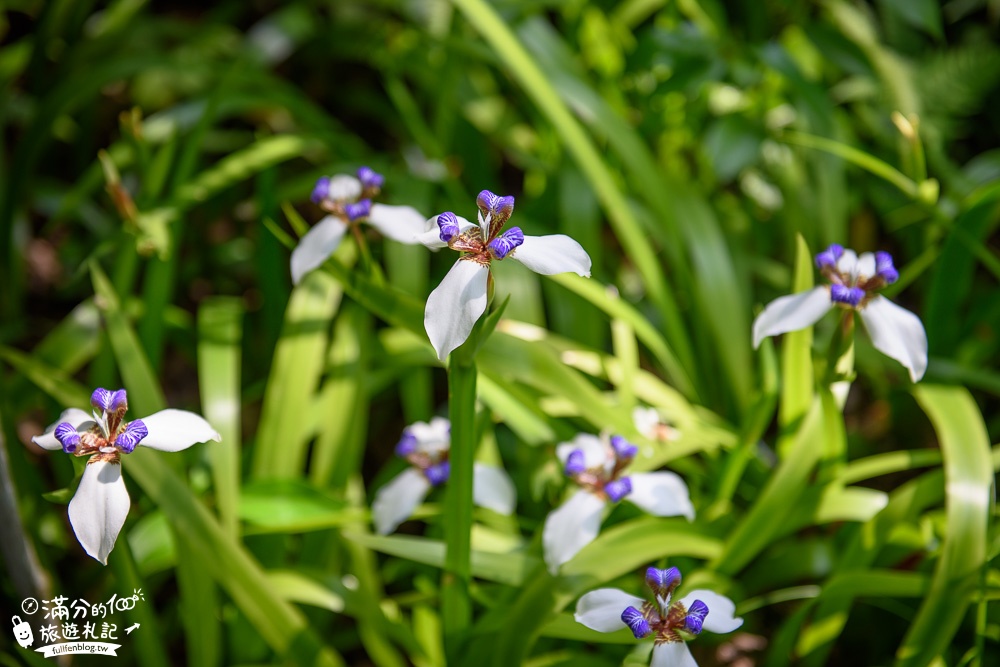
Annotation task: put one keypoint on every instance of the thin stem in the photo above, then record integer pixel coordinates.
(456, 606)
(369, 265)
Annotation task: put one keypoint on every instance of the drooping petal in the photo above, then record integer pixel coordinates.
(395, 502)
(455, 305)
(791, 313)
(672, 654)
(571, 527)
(399, 223)
(74, 416)
(897, 333)
(602, 609)
(173, 430)
(721, 616)
(318, 244)
(430, 235)
(492, 489)
(595, 453)
(98, 509)
(549, 255)
(661, 494)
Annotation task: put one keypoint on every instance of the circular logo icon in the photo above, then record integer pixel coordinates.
(29, 606)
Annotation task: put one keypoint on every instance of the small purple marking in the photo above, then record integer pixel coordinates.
(506, 242)
(320, 190)
(852, 296)
(407, 444)
(119, 401)
(448, 224)
(636, 622)
(370, 179)
(134, 432)
(695, 617)
(624, 449)
(356, 211)
(884, 268)
(663, 582)
(438, 474)
(575, 463)
(830, 256)
(618, 489)
(67, 437)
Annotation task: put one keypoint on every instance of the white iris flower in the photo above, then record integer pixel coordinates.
(854, 284)
(597, 466)
(425, 447)
(461, 298)
(98, 509)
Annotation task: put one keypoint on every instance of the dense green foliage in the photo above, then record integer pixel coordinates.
(157, 165)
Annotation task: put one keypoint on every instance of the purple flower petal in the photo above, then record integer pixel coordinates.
(438, 474)
(119, 401)
(663, 582)
(407, 444)
(618, 489)
(695, 617)
(884, 268)
(636, 622)
(370, 179)
(320, 190)
(67, 437)
(448, 224)
(830, 256)
(503, 244)
(852, 296)
(624, 449)
(134, 432)
(101, 399)
(575, 463)
(358, 210)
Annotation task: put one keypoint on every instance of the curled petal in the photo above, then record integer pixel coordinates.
(843, 294)
(358, 210)
(885, 269)
(395, 502)
(636, 622)
(549, 255)
(575, 463)
(791, 313)
(370, 179)
(438, 473)
(431, 233)
(661, 494)
(343, 188)
(119, 401)
(602, 609)
(897, 333)
(407, 444)
(173, 430)
(67, 437)
(492, 489)
(506, 242)
(131, 436)
(672, 654)
(101, 399)
(571, 527)
(320, 190)
(98, 509)
(318, 244)
(455, 305)
(618, 489)
(695, 619)
(624, 449)
(399, 223)
(721, 616)
(75, 417)
(595, 454)
(663, 582)
(829, 256)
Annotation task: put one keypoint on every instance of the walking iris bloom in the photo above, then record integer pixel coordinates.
(597, 466)
(425, 446)
(98, 509)
(672, 624)
(854, 284)
(348, 200)
(461, 298)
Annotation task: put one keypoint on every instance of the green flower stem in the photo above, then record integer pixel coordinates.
(456, 606)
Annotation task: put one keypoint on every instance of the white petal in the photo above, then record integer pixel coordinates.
(492, 489)
(602, 609)
(571, 527)
(848, 263)
(595, 452)
(430, 235)
(344, 188)
(455, 305)
(318, 244)
(866, 265)
(673, 654)
(74, 416)
(721, 610)
(661, 494)
(98, 509)
(646, 420)
(897, 333)
(553, 254)
(173, 430)
(791, 313)
(395, 502)
(433, 438)
(399, 223)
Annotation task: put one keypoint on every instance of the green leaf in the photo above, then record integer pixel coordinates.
(292, 506)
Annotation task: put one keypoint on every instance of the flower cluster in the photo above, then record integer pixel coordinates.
(425, 447)
(98, 509)
(348, 201)
(671, 623)
(460, 300)
(597, 466)
(854, 283)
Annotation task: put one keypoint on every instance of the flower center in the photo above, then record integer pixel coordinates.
(602, 480)
(433, 464)
(851, 286)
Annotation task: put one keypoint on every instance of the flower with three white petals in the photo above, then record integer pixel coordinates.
(98, 509)
(425, 447)
(348, 200)
(854, 284)
(597, 466)
(460, 300)
(671, 623)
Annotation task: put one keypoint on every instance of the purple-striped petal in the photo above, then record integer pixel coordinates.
(67, 436)
(134, 432)
(370, 179)
(636, 622)
(503, 244)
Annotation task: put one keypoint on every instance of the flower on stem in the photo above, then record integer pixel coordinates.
(461, 298)
(671, 623)
(348, 200)
(425, 447)
(854, 285)
(98, 509)
(597, 466)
